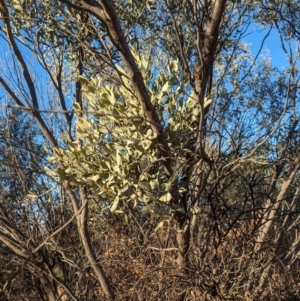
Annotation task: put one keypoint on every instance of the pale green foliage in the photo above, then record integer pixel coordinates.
(116, 152)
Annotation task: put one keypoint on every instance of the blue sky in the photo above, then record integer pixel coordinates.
(272, 45)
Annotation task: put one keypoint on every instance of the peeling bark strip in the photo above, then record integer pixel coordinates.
(203, 72)
(210, 46)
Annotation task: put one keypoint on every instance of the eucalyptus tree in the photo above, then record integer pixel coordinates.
(164, 123)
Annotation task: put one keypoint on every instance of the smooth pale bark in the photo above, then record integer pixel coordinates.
(268, 217)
